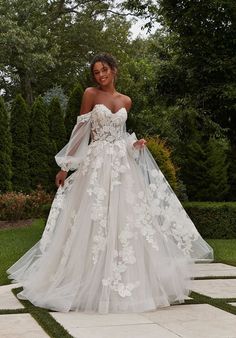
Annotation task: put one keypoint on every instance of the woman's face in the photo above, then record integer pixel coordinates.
(103, 74)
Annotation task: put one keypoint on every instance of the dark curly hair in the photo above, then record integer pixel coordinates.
(104, 58)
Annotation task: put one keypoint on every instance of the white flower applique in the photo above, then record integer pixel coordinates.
(120, 262)
(169, 214)
(99, 217)
(119, 163)
(55, 210)
(144, 220)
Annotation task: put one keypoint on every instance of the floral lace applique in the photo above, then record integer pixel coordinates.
(121, 260)
(56, 207)
(165, 209)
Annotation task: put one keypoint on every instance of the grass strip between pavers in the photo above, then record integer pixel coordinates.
(44, 319)
(214, 277)
(12, 311)
(221, 303)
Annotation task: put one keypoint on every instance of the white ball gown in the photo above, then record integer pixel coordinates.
(117, 238)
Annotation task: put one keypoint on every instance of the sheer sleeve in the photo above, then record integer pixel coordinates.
(69, 157)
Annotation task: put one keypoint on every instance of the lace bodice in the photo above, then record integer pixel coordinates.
(105, 125)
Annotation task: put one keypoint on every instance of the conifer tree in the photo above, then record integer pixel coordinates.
(58, 138)
(194, 171)
(39, 145)
(20, 145)
(57, 128)
(232, 173)
(217, 165)
(73, 108)
(5, 149)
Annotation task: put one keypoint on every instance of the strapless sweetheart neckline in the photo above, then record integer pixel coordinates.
(103, 105)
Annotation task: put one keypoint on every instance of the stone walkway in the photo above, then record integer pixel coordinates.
(185, 321)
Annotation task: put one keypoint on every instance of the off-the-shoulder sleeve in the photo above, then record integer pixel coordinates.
(69, 157)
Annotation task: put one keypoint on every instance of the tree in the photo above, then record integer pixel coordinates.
(205, 48)
(56, 124)
(57, 132)
(20, 145)
(217, 164)
(54, 40)
(73, 108)
(26, 50)
(40, 145)
(5, 149)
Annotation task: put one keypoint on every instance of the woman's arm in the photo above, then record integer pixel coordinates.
(86, 106)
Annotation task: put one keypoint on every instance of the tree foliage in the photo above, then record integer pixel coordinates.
(5, 149)
(40, 145)
(57, 136)
(54, 40)
(20, 145)
(73, 108)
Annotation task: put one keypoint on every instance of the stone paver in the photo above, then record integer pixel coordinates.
(215, 288)
(234, 304)
(20, 326)
(7, 299)
(214, 270)
(196, 321)
(186, 321)
(81, 325)
(80, 319)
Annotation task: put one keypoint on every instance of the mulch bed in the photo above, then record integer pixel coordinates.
(15, 224)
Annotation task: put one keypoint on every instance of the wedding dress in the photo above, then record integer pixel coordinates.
(117, 238)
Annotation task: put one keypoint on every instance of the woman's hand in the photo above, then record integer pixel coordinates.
(139, 144)
(60, 178)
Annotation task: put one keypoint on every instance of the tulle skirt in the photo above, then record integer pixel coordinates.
(116, 240)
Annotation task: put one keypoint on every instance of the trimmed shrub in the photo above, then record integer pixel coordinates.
(162, 155)
(213, 219)
(17, 205)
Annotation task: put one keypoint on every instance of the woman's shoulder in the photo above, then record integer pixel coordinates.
(90, 91)
(127, 102)
(87, 100)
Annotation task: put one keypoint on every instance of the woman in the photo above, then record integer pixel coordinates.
(117, 239)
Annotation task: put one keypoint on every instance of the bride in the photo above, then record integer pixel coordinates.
(117, 238)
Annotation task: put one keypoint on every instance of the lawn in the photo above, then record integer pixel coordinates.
(16, 241)
(224, 250)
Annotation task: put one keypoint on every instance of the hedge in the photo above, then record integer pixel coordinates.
(216, 220)
(213, 219)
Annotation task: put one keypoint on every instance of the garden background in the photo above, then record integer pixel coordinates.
(181, 78)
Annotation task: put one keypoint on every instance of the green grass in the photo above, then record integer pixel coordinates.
(14, 243)
(224, 250)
